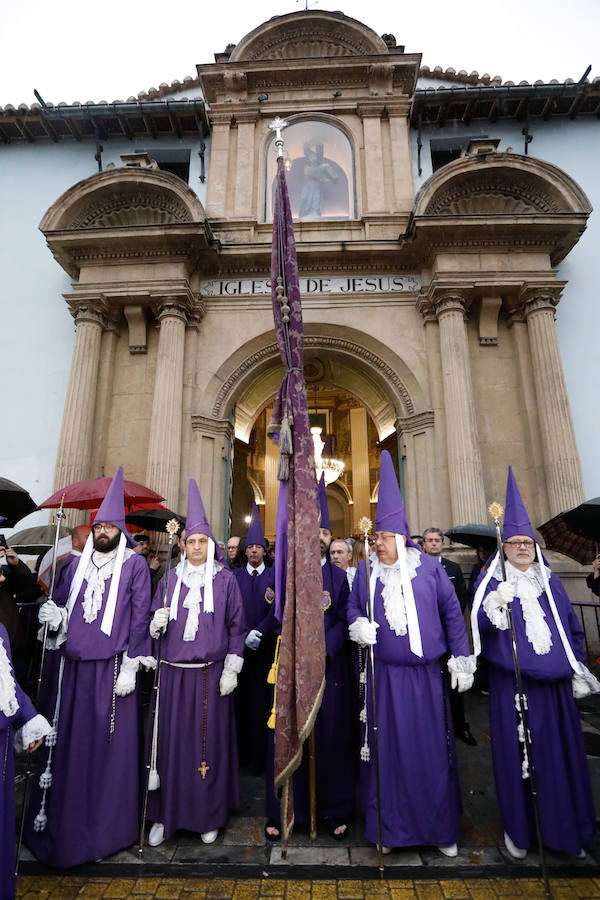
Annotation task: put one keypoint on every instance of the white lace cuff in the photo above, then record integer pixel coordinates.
(31, 731)
(234, 663)
(584, 676)
(355, 630)
(463, 664)
(498, 617)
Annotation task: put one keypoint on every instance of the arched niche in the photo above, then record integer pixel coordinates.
(319, 162)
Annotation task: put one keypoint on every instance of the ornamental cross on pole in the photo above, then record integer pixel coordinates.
(277, 125)
(203, 769)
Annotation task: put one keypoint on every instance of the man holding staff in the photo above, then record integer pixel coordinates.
(549, 652)
(416, 621)
(194, 777)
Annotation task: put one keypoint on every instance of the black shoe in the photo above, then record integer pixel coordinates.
(464, 735)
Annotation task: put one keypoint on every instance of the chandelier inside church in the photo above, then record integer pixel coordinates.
(330, 467)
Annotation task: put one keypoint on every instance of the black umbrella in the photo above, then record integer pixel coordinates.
(576, 532)
(472, 535)
(15, 503)
(153, 519)
(32, 541)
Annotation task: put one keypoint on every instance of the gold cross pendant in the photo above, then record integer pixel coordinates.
(203, 769)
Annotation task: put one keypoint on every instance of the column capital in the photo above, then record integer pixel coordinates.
(417, 422)
(536, 298)
(450, 301)
(426, 307)
(370, 109)
(92, 310)
(208, 425)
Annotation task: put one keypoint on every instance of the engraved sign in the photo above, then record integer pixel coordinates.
(360, 284)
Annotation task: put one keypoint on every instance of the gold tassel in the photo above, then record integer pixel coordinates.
(272, 679)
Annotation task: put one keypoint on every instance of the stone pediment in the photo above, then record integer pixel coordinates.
(132, 206)
(308, 34)
(494, 184)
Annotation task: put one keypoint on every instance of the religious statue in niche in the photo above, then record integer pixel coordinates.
(319, 167)
(316, 171)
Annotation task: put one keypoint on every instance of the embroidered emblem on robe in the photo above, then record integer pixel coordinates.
(326, 600)
(269, 595)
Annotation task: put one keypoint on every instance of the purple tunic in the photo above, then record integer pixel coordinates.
(24, 713)
(420, 795)
(92, 804)
(335, 745)
(562, 777)
(196, 725)
(253, 697)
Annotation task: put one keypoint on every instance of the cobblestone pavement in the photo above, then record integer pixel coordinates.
(40, 888)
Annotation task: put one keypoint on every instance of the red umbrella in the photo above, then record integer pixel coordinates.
(90, 494)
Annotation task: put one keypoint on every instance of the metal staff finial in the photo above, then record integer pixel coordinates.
(277, 125)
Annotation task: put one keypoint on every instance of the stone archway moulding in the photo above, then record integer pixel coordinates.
(233, 385)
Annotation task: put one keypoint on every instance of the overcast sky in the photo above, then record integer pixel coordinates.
(79, 50)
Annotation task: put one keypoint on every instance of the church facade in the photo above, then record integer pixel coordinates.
(430, 288)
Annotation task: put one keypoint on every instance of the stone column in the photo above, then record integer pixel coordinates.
(401, 160)
(164, 450)
(75, 443)
(561, 460)
(212, 450)
(361, 494)
(465, 472)
(271, 485)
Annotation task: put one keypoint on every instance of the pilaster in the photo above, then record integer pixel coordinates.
(212, 458)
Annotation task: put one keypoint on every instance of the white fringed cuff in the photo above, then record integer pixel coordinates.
(36, 728)
(234, 663)
(465, 665)
(136, 663)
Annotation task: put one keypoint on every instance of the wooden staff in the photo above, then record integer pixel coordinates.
(495, 510)
(172, 527)
(365, 526)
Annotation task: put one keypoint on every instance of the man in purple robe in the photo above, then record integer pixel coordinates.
(416, 620)
(253, 696)
(16, 714)
(85, 804)
(550, 651)
(194, 779)
(334, 732)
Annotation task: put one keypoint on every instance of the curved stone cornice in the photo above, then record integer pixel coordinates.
(271, 352)
(308, 34)
(125, 196)
(500, 184)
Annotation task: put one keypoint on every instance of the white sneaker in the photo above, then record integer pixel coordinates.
(515, 852)
(452, 850)
(209, 837)
(157, 834)
(581, 855)
(385, 850)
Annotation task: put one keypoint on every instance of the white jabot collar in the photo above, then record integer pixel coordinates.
(258, 569)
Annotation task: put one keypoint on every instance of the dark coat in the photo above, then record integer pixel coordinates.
(454, 573)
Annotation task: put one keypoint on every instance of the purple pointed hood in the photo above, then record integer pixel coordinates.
(196, 521)
(516, 520)
(325, 521)
(255, 533)
(112, 508)
(390, 515)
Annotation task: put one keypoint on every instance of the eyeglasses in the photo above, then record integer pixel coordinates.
(102, 526)
(526, 544)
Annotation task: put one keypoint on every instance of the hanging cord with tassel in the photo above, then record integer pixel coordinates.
(272, 679)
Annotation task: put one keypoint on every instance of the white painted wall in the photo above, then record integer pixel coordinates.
(572, 146)
(37, 331)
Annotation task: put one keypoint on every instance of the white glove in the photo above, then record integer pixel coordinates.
(502, 596)
(363, 632)
(461, 681)
(159, 621)
(125, 682)
(253, 639)
(50, 613)
(228, 682)
(585, 684)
